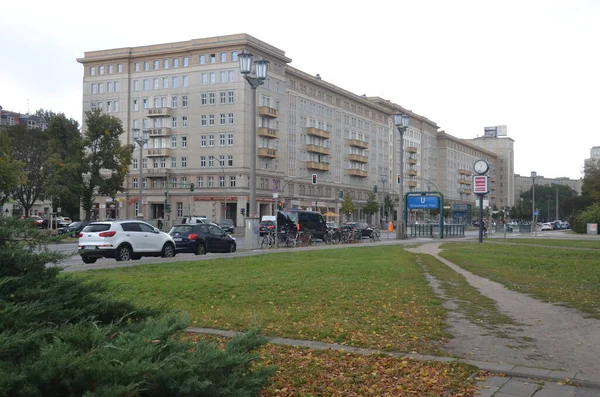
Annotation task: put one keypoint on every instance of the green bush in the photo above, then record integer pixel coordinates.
(65, 336)
(590, 215)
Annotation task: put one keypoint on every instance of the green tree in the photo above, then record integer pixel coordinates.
(105, 160)
(591, 180)
(30, 146)
(347, 205)
(11, 170)
(371, 206)
(65, 149)
(388, 205)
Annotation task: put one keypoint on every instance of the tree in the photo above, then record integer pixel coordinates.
(371, 206)
(348, 205)
(388, 205)
(30, 146)
(591, 180)
(11, 170)
(106, 159)
(65, 162)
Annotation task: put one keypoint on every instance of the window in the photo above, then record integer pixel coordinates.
(229, 139)
(211, 119)
(222, 119)
(111, 69)
(92, 71)
(213, 58)
(203, 120)
(202, 140)
(175, 63)
(211, 181)
(135, 105)
(109, 87)
(137, 67)
(223, 77)
(230, 118)
(230, 97)
(200, 181)
(145, 85)
(234, 55)
(221, 139)
(186, 62)
(156, 86)
(211, 98)
(116, 105)
(146, 65)
(204, 78)
(232, 181)
(101, 69)
(136, 85)
(173, 142)
(134, 164)
(165, 82)
(184, 121)
(223, 57)
(134, 183)
(183, 163)
(109, 107)
(174, 164)
(221, 181)
(173, 122)
(174, 101)
(166, 64)
(184, 81)
(231, 76)
(212, 77)
(211, 140)
(179, 206)
(223, 96)
(203, 99)
(175, 82)
(116, 85)
(100, 88)
(154, 165)
(156, 65)
(94, 88)
(184, 142)
(202, 161)
(230, 160)
(119, 68)
(184, 101)
(202, 59)
(145, 103)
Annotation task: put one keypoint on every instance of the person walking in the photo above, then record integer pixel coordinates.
(159, 223)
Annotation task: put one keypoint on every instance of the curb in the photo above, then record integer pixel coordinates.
(509, 370)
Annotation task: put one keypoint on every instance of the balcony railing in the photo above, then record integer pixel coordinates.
(411, 184)
(464, 191)
(357, 143)
(411, 149)
(158, 112)
(318, 166)
(266, 152)
(157, 172)
(318, 132)
(163, 131)
(464, 172)
(265, 111)
(411, 172)
(162, 152)
(358, 157)
(464, 181)
(412, 161)
(268, 132)
(360, 173)
(318, 149)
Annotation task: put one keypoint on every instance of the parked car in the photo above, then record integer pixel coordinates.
(123, 240)
(547, 226)
(300, 220)
(265, 226)
(191, 220)
(227, 225)
(73, 228)
(202, 238)
(364, 228)
(36, 220)
(56, 222)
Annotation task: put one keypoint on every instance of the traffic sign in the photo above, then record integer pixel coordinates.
(423, 202)
(480, 184)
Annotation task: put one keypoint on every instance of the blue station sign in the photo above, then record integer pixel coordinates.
(423, 202)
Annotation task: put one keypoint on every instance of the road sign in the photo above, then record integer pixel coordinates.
(480, 184)
(423, 202)
(536, 213)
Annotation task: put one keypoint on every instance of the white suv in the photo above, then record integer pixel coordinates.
(123, 240)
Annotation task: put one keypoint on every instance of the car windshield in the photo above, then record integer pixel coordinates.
(96, 227)
(181, 229)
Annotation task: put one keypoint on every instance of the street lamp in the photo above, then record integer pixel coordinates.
(141, 142)
(225, 184)
(533, 222)
(260, 66)
(401, 122)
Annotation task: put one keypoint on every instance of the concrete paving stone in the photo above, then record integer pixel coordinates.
(422, 357)
(488, 366)
(586, 392)
(487, 391)
(498, 381)
(562, 375)
(590, 378)
(446, 359)
(502, 394)
(520, 387)
(556, 390)
(529, 371)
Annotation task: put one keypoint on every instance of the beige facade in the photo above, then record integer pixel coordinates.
(524, 183)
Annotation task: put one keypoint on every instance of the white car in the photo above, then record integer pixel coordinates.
(547, 226)
(123, 240)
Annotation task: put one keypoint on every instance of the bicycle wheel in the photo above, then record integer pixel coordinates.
(266, 242)
(375, 235)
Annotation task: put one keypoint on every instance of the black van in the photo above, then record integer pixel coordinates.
(293, 219)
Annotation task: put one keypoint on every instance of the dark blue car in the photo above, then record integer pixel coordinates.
(202, 238)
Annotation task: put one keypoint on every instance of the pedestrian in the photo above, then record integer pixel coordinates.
(159, 223)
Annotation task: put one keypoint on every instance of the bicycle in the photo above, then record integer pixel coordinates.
(375, 234)
(268, 240)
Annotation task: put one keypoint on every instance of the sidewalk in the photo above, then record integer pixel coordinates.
(511, 380)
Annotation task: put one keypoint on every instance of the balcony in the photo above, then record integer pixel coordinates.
(268, 132)
(493, 196)
(412, 161)
(357, 143)
(411, 172)
(411, 149)
(358, 157)
(265, 111)
(157, 172)
(464, 181)
(156, 132)
(492, 180)
(158, 112)
(361, 173)
(411, 184)
(464, 191)
(318, 149)
(314, 165)
(464, 172)
(317, 132)
(493, 188)
(162, 152)
(266, 152)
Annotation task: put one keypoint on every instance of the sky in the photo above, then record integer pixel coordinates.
(531, 65)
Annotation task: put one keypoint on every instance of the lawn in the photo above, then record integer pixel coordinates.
(368, 297)
(594, 244)
(565, 276)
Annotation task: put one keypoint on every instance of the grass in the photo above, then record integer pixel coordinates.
(568, 277)
(551, 242)
(368, 297)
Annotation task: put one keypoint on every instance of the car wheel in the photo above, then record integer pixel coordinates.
(123, 253)
(231, 247)
(200, 249)
(168, 251)
(87, 259)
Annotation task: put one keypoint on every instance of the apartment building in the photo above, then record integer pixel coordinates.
(524, 183)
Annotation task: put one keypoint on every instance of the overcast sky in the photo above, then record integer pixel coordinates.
(531, 65)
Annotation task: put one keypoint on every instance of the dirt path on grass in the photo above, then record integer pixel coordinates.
(548, 336)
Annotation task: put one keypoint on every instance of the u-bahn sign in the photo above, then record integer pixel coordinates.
(423, 202)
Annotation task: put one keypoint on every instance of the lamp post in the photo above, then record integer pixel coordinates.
(261, 67)
(556, 203)
(225, 180)
(401, 122)
(141, 142)
(533, 221)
